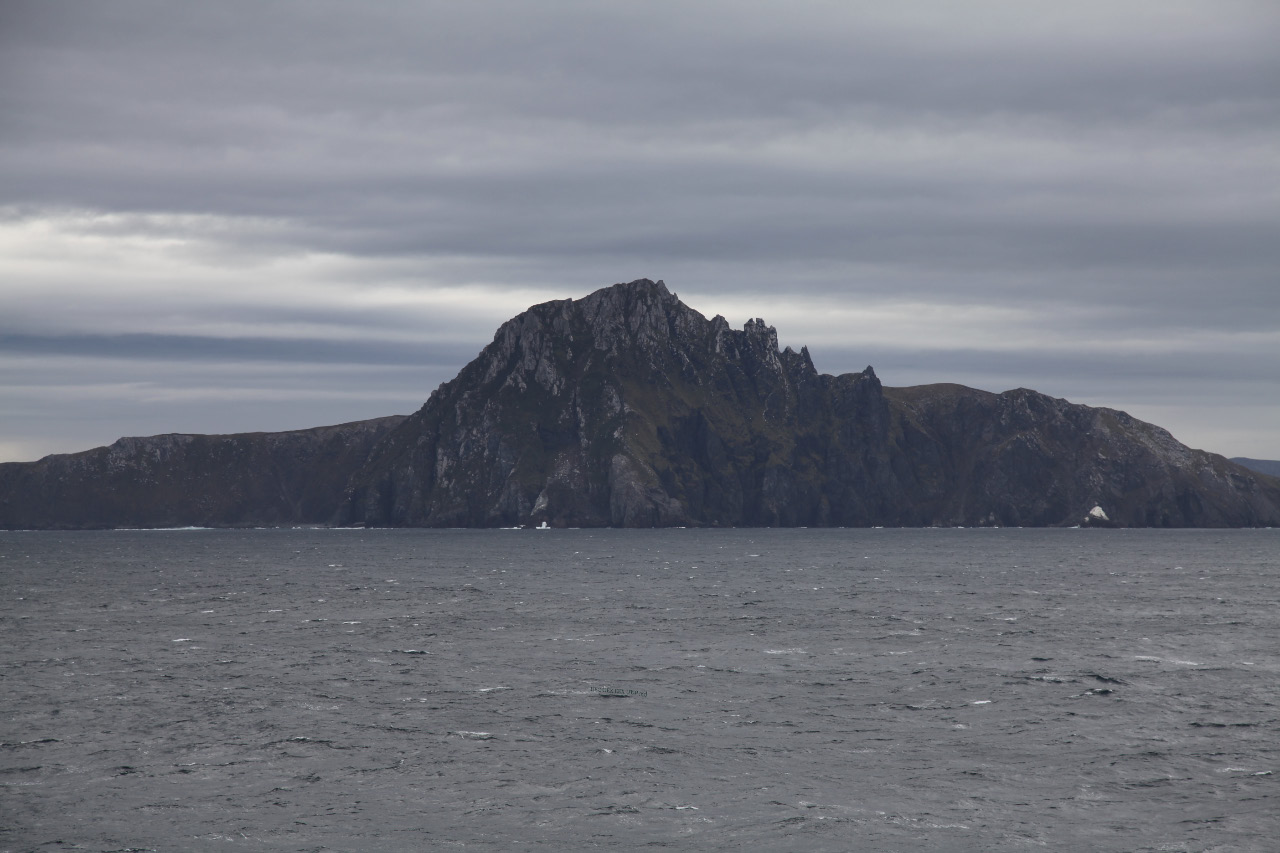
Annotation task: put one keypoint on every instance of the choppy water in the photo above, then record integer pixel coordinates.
(832, 690)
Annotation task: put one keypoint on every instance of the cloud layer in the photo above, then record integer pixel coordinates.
(224, 217)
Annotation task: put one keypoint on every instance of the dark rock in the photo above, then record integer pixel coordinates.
(177, 480)
(627, 408)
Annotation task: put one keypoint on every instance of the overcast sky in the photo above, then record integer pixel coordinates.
(223, 217)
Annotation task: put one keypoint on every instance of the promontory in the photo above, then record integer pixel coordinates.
(628, 408)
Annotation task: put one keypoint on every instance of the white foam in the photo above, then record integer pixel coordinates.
(983, 702)
(1152, 659)
(784, 651)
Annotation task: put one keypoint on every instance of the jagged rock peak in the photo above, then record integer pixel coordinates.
(640, 313)
(643, 311)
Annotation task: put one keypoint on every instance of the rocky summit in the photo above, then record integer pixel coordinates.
(628, 408)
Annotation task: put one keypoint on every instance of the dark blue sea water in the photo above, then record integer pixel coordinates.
(829, 690)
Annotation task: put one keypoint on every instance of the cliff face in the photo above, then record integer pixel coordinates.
(1023, 458)
(628, 408)
(175, 480)
(623, 408)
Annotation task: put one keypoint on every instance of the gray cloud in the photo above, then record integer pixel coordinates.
(309, 183)
(207, 348)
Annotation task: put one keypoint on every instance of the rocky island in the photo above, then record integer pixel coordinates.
(628, 408)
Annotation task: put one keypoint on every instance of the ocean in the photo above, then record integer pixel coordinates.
(561, 690)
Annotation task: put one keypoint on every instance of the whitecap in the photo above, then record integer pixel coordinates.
(1153, 659)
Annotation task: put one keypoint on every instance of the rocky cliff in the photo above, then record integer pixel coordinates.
(628, 408)
(248, 479)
